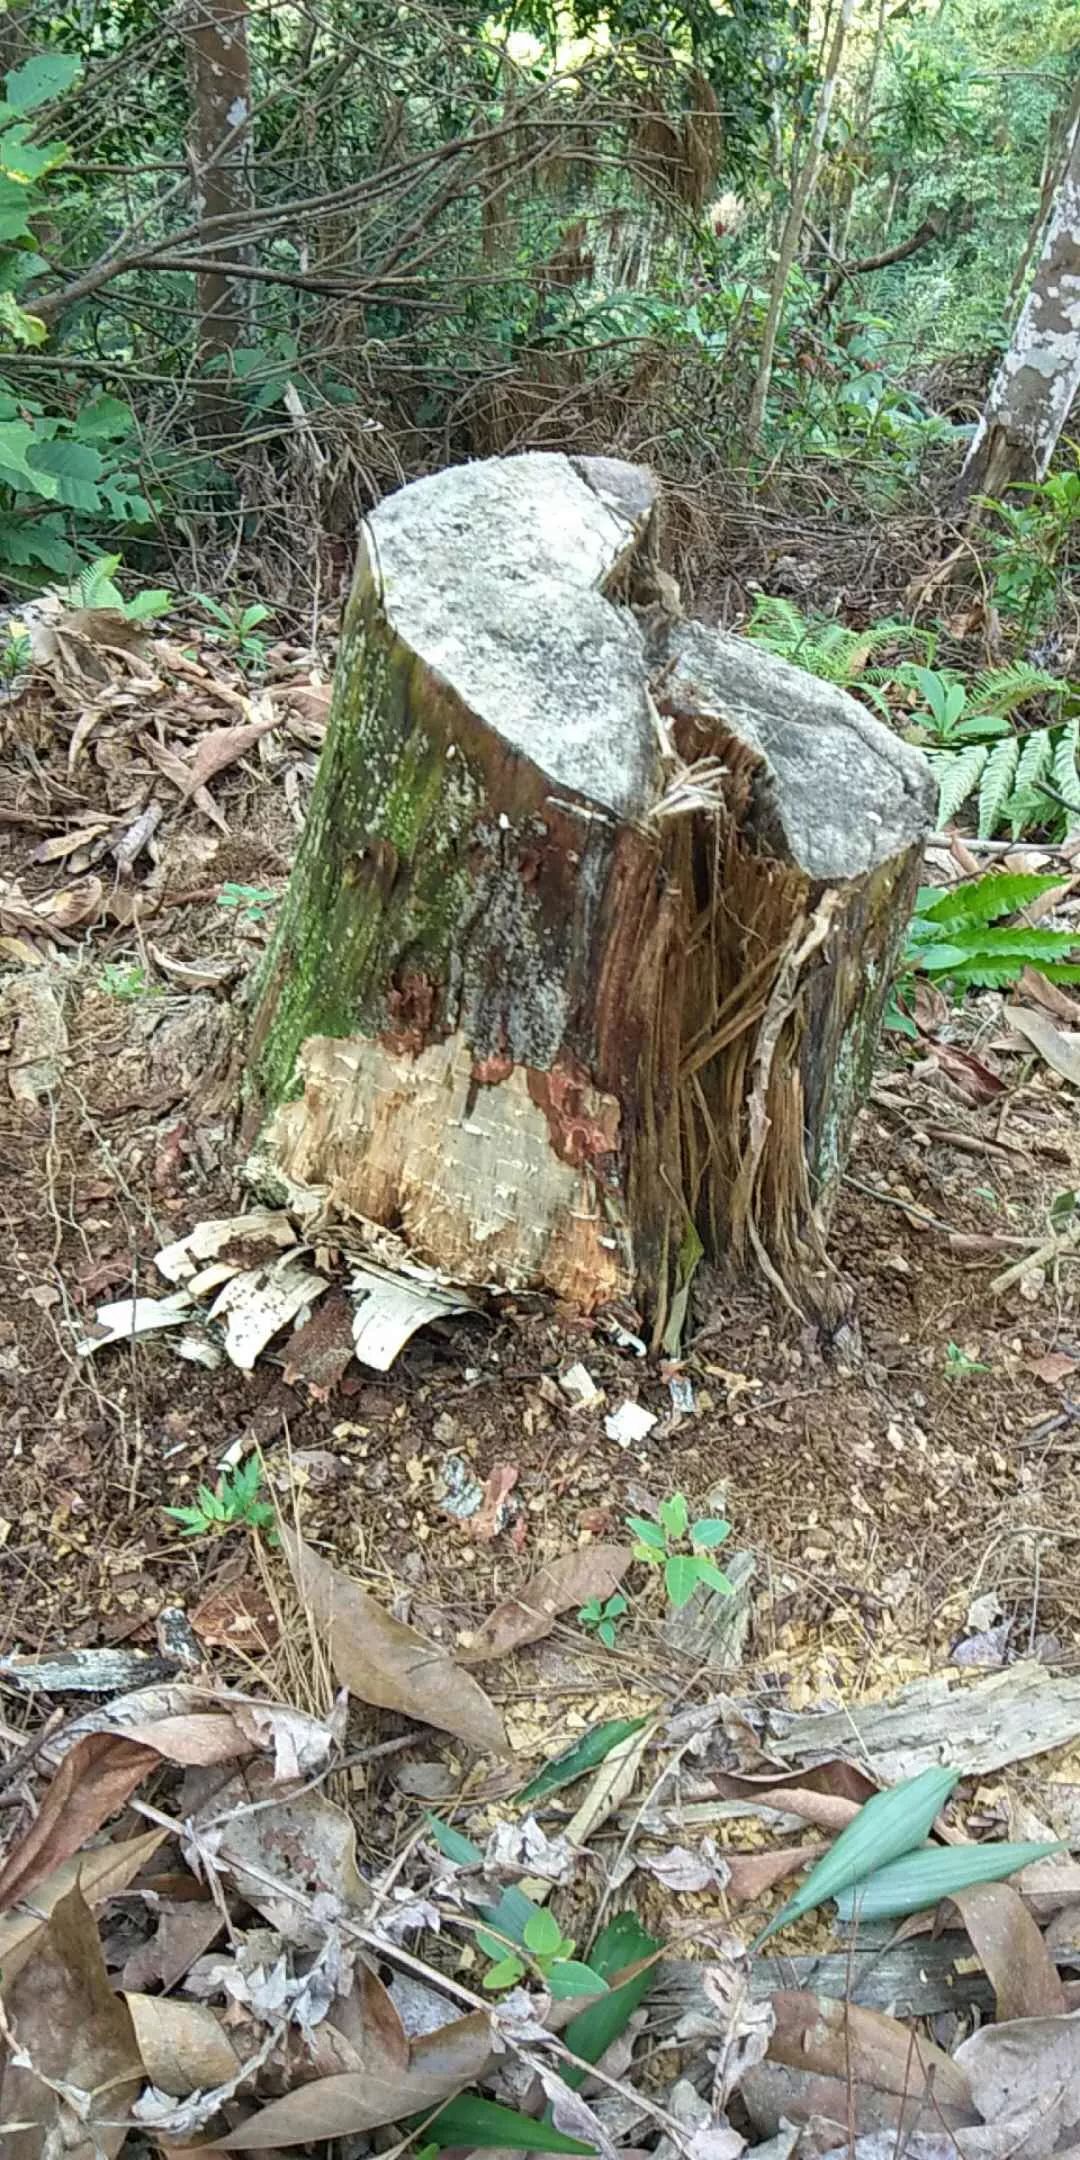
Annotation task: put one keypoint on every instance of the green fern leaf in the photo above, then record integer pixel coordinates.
(1004, 690)
(1027, 805)
(996, 784)
(1066, 774)
(958, 773)
(984, 899)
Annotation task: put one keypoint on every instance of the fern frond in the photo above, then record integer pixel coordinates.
(1066, 774)
(996, 784)
(957, 773)
(1028, 947)
(1027, 804)
(1003, 690)
(983, 900)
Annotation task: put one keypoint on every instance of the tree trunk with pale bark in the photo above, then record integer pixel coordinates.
(1034, 388)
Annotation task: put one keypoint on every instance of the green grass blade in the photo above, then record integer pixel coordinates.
(890, 1824)
(921, 1879)
(623, 1942)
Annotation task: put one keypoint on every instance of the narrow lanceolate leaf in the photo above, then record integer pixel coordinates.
(586, 1754)
(922, 1879)
(471, 2120)
(890, 1824)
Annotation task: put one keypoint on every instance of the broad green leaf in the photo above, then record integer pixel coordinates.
(567, 1977)
(513, 1911)
(40, 540)
(710, 1531)
(708, 1572)
(543, 1935)
(682, 1573)
(104, 419)
(47, 75)
(586, 1754)
(921, 1879)
(17, 439)
(469, 2120)
(649, 1532)
(675, 1515)
(890, 1824)
(75, 467)
(505, 1974)
(17, 324)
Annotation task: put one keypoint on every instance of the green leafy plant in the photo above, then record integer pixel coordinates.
(601, 1616)
(16, 653)
(681, 1548)
(825, 647)
(127, 980)
(238, 626)
(1029, 544)
(586, 1754)
(886, 1827)
(963, 938)
(234, 1503)
(95, 587)
(250, 901)
(551, 1954)
(958, 1365)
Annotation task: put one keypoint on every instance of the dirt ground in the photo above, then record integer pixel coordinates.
(886, 1483)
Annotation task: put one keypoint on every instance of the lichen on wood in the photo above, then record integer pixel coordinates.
(540, 998)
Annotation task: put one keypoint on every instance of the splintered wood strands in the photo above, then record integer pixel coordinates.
(590, 930)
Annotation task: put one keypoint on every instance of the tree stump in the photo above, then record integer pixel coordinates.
(586, 948)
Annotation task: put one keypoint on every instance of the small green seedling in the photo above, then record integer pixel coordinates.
(233, 1504)
(127, 981)
(958, 1365)
(16, 654)
(551, 1954)
(601, 1617)
(239, 627)
(663, 1542)
(250, 901)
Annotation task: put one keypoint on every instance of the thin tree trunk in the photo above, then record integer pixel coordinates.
(1033, 390)
(1059, 137)
(221, 160)
(801, 193)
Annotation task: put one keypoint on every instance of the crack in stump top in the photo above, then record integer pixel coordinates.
(494, 575)
(847, 794)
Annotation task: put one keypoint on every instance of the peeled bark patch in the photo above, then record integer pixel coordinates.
(591, 926)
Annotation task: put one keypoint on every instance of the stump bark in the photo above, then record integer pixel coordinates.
(585, 951)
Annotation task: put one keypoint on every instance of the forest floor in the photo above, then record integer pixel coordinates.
(913, 1487)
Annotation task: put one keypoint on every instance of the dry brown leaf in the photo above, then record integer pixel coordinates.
(183, 2046)
(591, 1571)
(63, 2013)
(775, 2092)
(93, 1782)
(825, 1810)
(1055, 1049)
(841, 2040)
(1011, 1951)
(1025, 2078)
(1038, 990)
(178, 771)
(382, 1661)
(752, 1874)
(440, 2064)
(303, 1842)
(1055, 1367)
(221, 747)
(76, 904)
(185, 1929)
(99, 1873)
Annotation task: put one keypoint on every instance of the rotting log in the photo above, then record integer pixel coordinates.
(586, 947)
